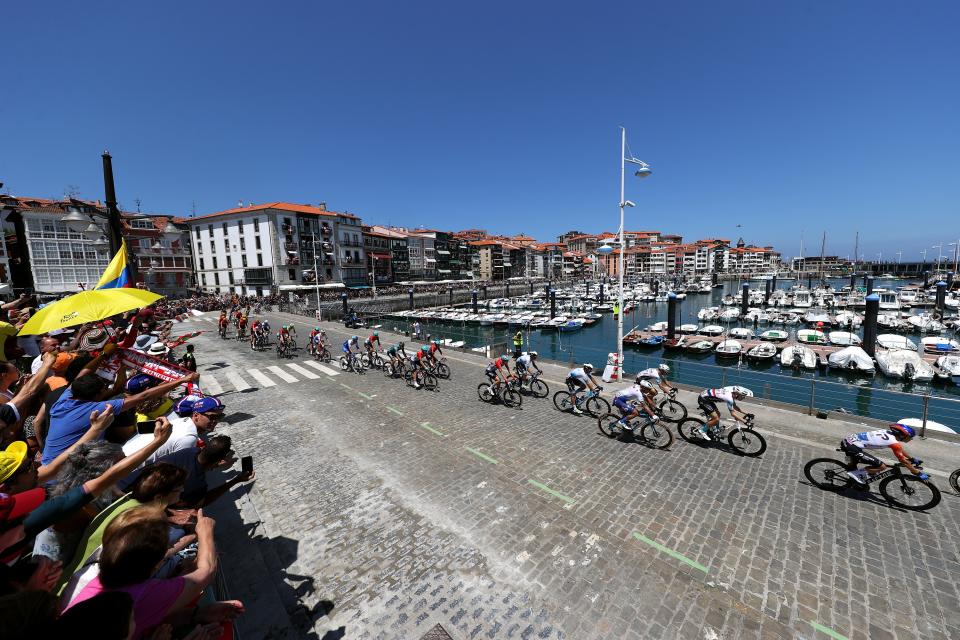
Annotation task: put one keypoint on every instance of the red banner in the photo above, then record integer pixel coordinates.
(141, 363)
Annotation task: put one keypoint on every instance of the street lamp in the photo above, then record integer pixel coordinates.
(956, 253)
(644, 171)
(939, 248)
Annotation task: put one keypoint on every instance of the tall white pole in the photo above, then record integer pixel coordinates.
(623, 155)
(316, 272)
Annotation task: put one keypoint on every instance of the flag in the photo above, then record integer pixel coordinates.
(117, 274)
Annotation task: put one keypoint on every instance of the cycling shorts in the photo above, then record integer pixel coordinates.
(575, 384)
(709, 405)
(623, 405)
(521, 368)
(491, 372)
(859, 455)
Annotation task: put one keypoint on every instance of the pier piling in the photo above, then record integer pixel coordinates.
(870, 323)
(766, 292)
(671, 315)
(941, 295)
(553, 304)
(853, 280)
(868, 281)
(410, 293)
(744, 298)
(473, 295)
(450, 293)
(926, 279)
(508, 290)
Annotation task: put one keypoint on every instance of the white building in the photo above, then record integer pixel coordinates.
(257, 249)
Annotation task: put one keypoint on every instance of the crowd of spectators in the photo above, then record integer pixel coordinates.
(105, 475)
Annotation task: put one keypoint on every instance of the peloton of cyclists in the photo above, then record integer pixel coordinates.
(708, 399)
(579, 379)
(893, 438)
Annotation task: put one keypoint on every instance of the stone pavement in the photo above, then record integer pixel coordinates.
(380, 511)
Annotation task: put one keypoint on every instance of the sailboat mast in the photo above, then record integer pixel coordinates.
(856, 249)
(823, 244)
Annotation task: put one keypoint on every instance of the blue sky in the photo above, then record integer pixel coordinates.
(778, 116)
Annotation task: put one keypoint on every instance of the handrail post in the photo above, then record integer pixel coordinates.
(723, 378)
(926, 406)
(813, 395)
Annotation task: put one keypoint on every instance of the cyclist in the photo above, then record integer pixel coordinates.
(495, 370)
(283, 336)
(708, 399)
(417, 361)
(434, 350)
(242, 327)
(629, 401)
(292, 334)
(368, 344)
(892, 437)
(647, 378)
(348, 347)
(236, 318)
(254, 333)
(223, 324)
(312, 341)
(525, 362)
(579, 379)
(395, 352)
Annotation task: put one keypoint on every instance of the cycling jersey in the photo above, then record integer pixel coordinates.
(879, 439)
(500, 363)
(579, 374)
(434, 348)
(369, 341)
(631, 394)
(346, 346)
(717, 395)
(391, 351)
(650, 374)
(524, 361)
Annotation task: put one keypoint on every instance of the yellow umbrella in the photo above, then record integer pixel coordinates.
(87, 306)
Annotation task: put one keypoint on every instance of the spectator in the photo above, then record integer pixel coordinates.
(9, 375)
(203, 417)
(189, 360)
(47, 344)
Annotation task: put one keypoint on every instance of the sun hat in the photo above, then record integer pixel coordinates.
(11, 459)
(94, 340)
(140, 382)
(17, 505)
(143, 341)
(158, 349)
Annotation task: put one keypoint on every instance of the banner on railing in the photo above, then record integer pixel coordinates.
(141, 363)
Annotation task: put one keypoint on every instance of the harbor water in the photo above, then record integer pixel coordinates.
(822, 389)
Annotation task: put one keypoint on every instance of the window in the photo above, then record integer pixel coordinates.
(292, 274)
(224, 227)
(256, 225)
(243, 243)
(243, 259)
(259, 259)
(216, 279)
(214, 262)
(201, 264)
(229, 262)
(230, 276)
(210, 230)
(213, 247)
(196, 232)
(203, 279)
(257, 242)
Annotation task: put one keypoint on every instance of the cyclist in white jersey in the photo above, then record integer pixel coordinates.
(629, 401)
(579, 379)
(889, 438)
(526, 362)
(708, 399)
(654, 376)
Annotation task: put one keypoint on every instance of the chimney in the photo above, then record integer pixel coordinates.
(322, 206)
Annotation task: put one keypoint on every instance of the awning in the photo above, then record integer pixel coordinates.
(379, 256)
(443, 271)
(442, 252)
(507, 264)
(430, 259)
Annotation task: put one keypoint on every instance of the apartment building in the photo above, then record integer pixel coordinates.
(161, 247)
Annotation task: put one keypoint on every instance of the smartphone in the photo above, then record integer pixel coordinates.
(146, 426)
(246, 464)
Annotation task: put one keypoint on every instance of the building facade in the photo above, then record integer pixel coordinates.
(161, 247)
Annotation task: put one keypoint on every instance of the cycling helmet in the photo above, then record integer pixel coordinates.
(743, 392)
(436, 342)
(425, 349)
(587, 367)
(316, 328)
(533, 354)
(355, 338)
(376, 335)
(400, 344)
(664, 368)
(505, 357)
(903, 429)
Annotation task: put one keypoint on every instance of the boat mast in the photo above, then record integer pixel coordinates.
(856, 249)
(802, 261)
(823, 244)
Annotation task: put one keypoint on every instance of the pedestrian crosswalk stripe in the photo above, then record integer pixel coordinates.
(306, 374)
(262, 379)
(238, 383)
(320, 367)
(283, 375)
(210, 385)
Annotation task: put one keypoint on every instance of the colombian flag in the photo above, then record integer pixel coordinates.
(117, 274)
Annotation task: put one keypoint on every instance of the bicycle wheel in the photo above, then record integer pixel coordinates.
(429, 381)
(344, 365)
(539, 389)
(597, 406)
(747, 442)
(443, 371)
(378, 362)
(607, 424)
(485, 392)
(827, 474)
(672, 411)
(511, 398)
(388, 370)
(910, 492)
(689, 430)
(657, 435)
(563, 401)
(955, 480)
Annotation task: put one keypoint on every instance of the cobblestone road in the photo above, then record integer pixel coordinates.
(402, 509)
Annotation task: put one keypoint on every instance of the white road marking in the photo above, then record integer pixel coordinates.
(309, 375)
(261, 378)
(283, 375)
(320, 367)
(210, 385)
(238, 383)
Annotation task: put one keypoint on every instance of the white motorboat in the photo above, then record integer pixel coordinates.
(729, 349)
(708, 313)
(687, 328)
(940, 345)
(888, 300)
(925, 323)
(848, 320)
(851, 359)
(741, 333)
(811, 336)
(904, 365)
(843, 338)
(948, 368)
(658, 326)
(817, 317)
(802, 299)
(763, 352)
(712, 330)
(774, 335)
(791, 318)
(729, 315)
(797, 356)
(892, 341)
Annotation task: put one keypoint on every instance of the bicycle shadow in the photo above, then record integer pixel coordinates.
(864, 495)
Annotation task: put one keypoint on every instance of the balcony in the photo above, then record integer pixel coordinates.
(325, 230)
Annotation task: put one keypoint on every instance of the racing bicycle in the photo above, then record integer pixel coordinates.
(352, 362)
(903, 490)
(653, 434)
(743, 438)
(671, 409)
(499, 392)
(532, 384)
(591, 402)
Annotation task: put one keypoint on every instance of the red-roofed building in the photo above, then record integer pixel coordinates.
(161, 247)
